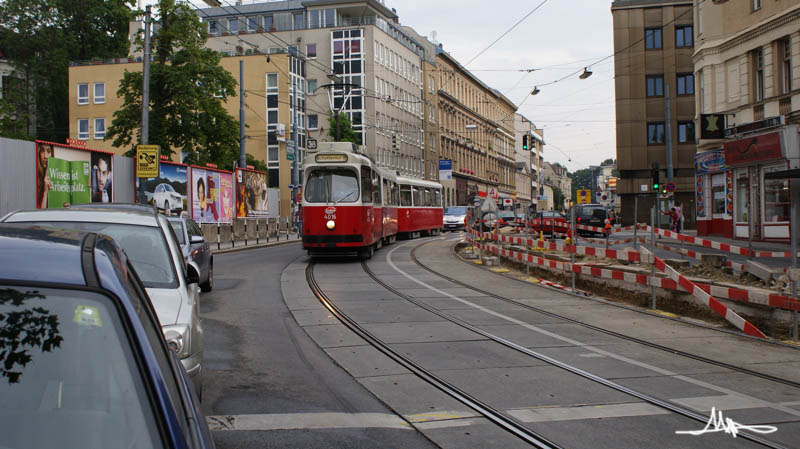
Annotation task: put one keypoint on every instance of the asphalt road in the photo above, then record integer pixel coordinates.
(271, 385)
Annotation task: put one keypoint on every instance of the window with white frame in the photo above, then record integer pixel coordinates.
(83, 128)
(100, 128)
(253, 23)
(313, 121)
(273, 147)
(758, 74)
(348, 64)
(99, 93)
(786, 65)
(377, 50)
(213, 27)
(312, 86)
(233, 25)
(83, 93)
(756, 5)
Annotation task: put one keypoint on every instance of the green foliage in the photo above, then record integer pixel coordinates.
(40, 38)
(581, 179)
(609, 161)
(188, 89)
(346, 131)
(558, 198)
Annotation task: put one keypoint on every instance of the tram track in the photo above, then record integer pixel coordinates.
(510, 425)
(602, 330)
(671, 407)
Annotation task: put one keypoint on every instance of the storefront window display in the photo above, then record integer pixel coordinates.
(718, 193)
(776, 197)
(742, 200)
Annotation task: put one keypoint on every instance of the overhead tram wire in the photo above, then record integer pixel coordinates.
(506, 32)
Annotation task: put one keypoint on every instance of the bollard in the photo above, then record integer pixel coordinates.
(256, 231)
(245, 232)
(233, 237)
(218, 242)
(653, 264)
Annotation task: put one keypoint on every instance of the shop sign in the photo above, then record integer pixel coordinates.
(709, 161)
(764, 147)
(754, 126)
(711, 126)
(445, 169)
(701, 210)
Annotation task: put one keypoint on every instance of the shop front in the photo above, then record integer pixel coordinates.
(733, 196)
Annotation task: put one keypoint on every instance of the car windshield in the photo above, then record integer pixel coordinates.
(177, 226)
(68, 368)
(329, 185)
(505, 214)
(145, 246)
(455, 210)
(168, 188)
(596, 212)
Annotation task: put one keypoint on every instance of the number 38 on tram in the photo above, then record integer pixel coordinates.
(350, 205)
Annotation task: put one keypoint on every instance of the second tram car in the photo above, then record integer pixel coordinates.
(351, 205)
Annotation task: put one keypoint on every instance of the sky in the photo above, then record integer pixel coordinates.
(559, 38)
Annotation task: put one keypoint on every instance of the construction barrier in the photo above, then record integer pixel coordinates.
(724, 247)
(750, 296)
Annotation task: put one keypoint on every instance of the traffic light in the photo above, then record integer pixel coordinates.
(654, 174)
(526, 142)
(394, 141)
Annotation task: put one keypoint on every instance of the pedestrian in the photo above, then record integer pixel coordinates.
(679, 209)
(675, 217)
(612, 217)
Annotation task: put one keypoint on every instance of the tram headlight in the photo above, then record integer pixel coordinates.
(331, 225)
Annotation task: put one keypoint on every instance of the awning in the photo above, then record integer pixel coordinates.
(783, 174)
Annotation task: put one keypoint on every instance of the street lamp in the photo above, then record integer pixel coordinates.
(586, 73)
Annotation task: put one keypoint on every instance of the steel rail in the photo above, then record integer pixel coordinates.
(689, 355)
(567, 367)
(491, 414)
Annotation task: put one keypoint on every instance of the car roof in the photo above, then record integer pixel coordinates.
(137, 216)
(45, 254)
(146, 208)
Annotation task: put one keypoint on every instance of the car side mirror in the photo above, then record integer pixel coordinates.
(197, 239)
(192, 274)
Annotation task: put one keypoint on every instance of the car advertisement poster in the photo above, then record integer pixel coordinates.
(64, 176)
(168, 191)
(212, 195)
(252, 198)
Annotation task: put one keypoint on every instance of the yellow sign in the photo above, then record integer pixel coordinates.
(584, 196)
(147, 161)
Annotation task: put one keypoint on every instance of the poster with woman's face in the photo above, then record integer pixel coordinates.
(225, 202)
(199, 194)
(252, 198)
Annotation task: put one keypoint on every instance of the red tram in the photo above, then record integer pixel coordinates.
(352, 205)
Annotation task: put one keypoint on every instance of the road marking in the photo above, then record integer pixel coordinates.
(546, 414)
(296, 421)
(446, 424)
(724, 402)
(440, 416)
(574, 342)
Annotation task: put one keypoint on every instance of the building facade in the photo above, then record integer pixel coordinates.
(359, 61)
(653, 47)
(476, 133)
(532, 160)
(93, 101)
(746, 65)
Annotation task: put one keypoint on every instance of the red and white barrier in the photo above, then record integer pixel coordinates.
(716, 245)
(704, 298)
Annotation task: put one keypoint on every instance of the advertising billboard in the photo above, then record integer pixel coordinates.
(252, 198)
(168, 191)
(68, 175)
(212, 195)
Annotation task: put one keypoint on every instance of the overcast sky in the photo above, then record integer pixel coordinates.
(561, 37)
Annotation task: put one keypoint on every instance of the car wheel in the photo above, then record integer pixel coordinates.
(208, 285)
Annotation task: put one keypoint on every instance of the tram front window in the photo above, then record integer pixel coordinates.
(331, 185)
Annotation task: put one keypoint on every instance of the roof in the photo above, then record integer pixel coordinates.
(95, 215)
(38, 253)
(647, 3)
(252, 8)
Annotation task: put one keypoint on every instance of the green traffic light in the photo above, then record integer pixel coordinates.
(655, 186)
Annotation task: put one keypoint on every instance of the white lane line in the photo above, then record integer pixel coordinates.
(300, 421)
(545, 414)
(724, 402)
(574, 342)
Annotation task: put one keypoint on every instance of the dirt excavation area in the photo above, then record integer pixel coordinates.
(668, 302)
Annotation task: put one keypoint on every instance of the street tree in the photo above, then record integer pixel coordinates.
(188, 88)
(40, 38)
(345, 127)
(581, 179)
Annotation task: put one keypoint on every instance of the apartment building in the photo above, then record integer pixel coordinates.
(653, 47)
(529, 163)
(746, 61)
(268, 100)
(359, 61)
(476, 133)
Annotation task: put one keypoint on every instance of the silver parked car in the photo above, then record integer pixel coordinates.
(195, 248)
(151, 245)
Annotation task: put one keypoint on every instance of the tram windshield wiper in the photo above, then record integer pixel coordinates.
(343, 198)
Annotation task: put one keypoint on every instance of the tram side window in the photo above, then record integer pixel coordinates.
(395, 193)
(376, 188)
(438, 198)
(387, 192)
(405, 195)
(366, 185)
(417, 196)
(328, 185)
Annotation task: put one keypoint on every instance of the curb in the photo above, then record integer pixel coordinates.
(260, 245)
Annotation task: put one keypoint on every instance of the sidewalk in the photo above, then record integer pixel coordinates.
(241, 245)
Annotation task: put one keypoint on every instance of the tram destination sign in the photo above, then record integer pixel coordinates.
(754, 126)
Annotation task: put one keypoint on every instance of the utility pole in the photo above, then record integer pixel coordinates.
(668, 131)
(145, 95)
(242, 152)
(295, 181)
